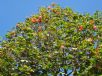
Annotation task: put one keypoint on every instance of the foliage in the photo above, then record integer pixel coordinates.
(55, 41)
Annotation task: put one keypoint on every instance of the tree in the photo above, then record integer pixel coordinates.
(55, 41)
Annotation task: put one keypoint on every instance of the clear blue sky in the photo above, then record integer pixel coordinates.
(14, 11)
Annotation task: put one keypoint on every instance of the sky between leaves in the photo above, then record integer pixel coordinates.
(14, 11)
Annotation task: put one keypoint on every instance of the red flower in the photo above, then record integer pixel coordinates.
(80, 28)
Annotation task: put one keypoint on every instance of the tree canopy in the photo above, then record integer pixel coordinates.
(53, 42)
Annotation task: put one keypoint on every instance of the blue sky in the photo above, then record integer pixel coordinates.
(14, 11)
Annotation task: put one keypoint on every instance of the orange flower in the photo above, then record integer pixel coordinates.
(34, 20)
(62, 46)
(58, 13)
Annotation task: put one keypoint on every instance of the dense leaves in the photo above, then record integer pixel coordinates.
(56, 41)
